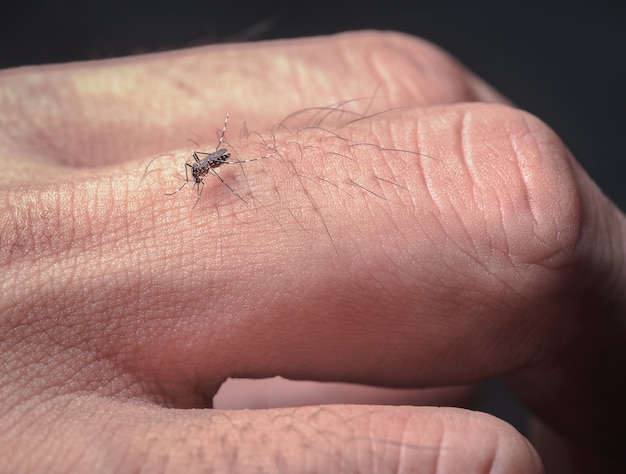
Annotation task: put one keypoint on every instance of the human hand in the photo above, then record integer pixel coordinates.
(339, 258)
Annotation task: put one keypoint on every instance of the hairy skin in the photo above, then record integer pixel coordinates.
(123, 310)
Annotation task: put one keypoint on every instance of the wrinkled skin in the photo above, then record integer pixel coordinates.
(339, 258)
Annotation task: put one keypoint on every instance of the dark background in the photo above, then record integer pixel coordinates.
(564, 61)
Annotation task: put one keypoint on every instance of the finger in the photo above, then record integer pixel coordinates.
(135, 108)
(354, 263)
(383, 254)
(290, 262)
(357, 263)
(122, 437)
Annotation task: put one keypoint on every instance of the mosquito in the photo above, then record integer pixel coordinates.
(203, 166)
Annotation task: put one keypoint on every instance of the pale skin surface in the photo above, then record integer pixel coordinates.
(495, 255)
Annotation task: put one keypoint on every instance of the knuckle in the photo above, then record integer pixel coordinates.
(414, 70)
(519, 163)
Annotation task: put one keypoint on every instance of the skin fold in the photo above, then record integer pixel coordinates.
(410, 229)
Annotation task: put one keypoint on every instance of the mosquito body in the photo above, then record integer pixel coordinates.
(203, 166)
